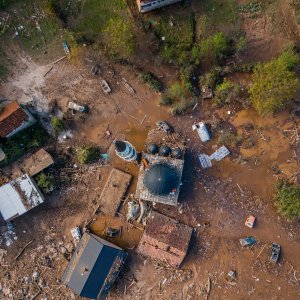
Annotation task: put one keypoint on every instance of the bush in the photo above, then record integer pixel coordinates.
(227, 92)
(165, 99)
(186, 75)
(179, 107)
(87, 154)
(226, 137)
(151, 80)
(45, 182)
(273, 84)
(287, 199)
(57, 125)
(178, 91)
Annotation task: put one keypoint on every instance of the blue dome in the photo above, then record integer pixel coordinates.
(152, 148)
(164, 150)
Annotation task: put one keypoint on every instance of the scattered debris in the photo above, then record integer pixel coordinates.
(250, 221)
(75, 106)
(133, 210)
(105, 87)
(218, 155)
(76, 234)
(164, 126)
(96, 69)
(248, 241)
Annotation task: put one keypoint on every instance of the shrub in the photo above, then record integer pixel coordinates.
(227, 92)
(57, 125)
(226, 137)
(287, 199)
(87, 154)
(186, 75)
(151, 80)
(45, 182)
(179, 107)
(212, 78)
(165, 99)
(178, 91)
(273, 84)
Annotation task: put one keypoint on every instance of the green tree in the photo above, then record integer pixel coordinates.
(227, 92)
(87, 154)
(273, 84)
(287, 199)
(57, 125)
(119, 37)
(45, 182)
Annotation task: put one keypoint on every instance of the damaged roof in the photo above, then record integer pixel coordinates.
(11, 118)
(165, 239)
(19, 196)
(93, 267)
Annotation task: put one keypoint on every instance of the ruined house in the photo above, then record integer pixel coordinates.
(165, 239)
(147, 5)
(93, 267)
(13, 119)
(17, 197)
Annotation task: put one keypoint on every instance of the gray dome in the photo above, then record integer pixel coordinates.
(164, 150)
(152, 148)
(161, 179)
(176, 152)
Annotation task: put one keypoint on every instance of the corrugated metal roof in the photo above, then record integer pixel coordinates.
(18, 196)
(89, 273)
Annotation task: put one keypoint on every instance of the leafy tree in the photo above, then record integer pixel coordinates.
(87, 154)
(151, 80)
(45, 182)
(273, 84)
(57, 124)
(119, 37)
(178, 91)
(287, 199)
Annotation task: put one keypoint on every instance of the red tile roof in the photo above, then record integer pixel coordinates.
(11, 118)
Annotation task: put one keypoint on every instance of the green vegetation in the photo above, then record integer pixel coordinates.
(151, 80)
(211, 78)
(226, 137)
(24, 141)
(119, 38)
(179, 98)
(45, 182)
(287, 199)
(57, 125)
(227, 92)
(87, 154)
(274, 84)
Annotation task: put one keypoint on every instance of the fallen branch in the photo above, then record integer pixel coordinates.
(58, 60)
(48, 71)
(143, 119)
(22, 250)
(261, 251)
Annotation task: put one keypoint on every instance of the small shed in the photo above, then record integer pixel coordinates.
(165, 239)
(93, 267)
(19, 196)
(36, 163)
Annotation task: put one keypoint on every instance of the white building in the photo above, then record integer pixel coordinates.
(18, 196)
(147, 5)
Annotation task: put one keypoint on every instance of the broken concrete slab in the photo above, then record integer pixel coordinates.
(114, 191)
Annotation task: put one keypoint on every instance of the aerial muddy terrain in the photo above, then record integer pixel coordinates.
(215, 202)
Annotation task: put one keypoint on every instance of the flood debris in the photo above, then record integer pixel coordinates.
(105, 87)
(202, 131)
(218, 155)
(77, 107)
(95, 69)
(247, 241)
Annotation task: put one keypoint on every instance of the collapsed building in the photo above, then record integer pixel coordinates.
(165, 239)
(94, 267)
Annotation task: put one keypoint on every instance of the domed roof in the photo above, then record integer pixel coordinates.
(152, 148)
(161, 179)
(164, 150)
(176, 152)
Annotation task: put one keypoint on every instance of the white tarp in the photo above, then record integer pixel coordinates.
(18, 196)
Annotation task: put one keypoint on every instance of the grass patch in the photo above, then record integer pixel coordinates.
(94, 17)
(287, 199)
(22, 142)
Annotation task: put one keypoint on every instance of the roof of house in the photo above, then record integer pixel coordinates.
(165, 239)
(36, 163)
(11, 118)
(18, 196)
(93, 267)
